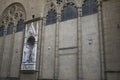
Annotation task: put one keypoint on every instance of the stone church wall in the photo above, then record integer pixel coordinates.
(111, 18)
(69, 64)
(91, 55)
(68, 49)
(49, 52)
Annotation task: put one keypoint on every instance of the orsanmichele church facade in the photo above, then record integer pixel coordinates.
(59, 39)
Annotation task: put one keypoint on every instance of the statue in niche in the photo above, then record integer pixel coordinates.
(29, 51)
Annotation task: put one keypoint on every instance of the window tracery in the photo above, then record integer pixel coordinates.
(51, 17)
(12, 14)
(20, 25)
(10, 28)
(58, 1)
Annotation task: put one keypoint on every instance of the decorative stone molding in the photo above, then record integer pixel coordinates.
(67, 2)
(58, 5)
(50, 5)
(30, 48)
(13, 13)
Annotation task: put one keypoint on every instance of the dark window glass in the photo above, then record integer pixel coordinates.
(20, 25)
(89, 7)
(10, 28)
(2, 30)
(68, 12)
(51, 17)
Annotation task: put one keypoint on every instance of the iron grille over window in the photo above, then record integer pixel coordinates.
(69, 12)
(10, 28)
(20, 25)
(2, 30)
(51, 17)
(89, 7)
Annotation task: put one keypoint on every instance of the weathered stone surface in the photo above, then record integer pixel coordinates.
(68, 44)
(49, 52)
(112, 38)
(91, 54)
(68, 34)
(17, 54)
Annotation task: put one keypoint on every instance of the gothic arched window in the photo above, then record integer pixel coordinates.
(10, 28)
(69, 12)
(51, 17)
(2, 30)
(20, 25)
(89, 7)
(13, 16)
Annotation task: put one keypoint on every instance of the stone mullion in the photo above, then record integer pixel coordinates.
(2, 48)
(56, 73)
(101, 41)
(79, 44)
(42, 47)
(11, 50)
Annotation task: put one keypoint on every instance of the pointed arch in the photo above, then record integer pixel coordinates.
(69, 12)
(51, 17)
(12, 14)
(50, 5)
(50, 12)
(89, 7)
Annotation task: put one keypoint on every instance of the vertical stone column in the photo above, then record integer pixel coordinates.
(101, 40)
(79, 44)
(2, 48)
(39, 47)
(56, 71)
(11, 50)
(42, 48)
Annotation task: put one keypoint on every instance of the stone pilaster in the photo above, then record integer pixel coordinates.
(79, 44)
(39, 48)
(42, 47)
(11, 50)
(56, 71)
(101, 40)
(2, 49)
